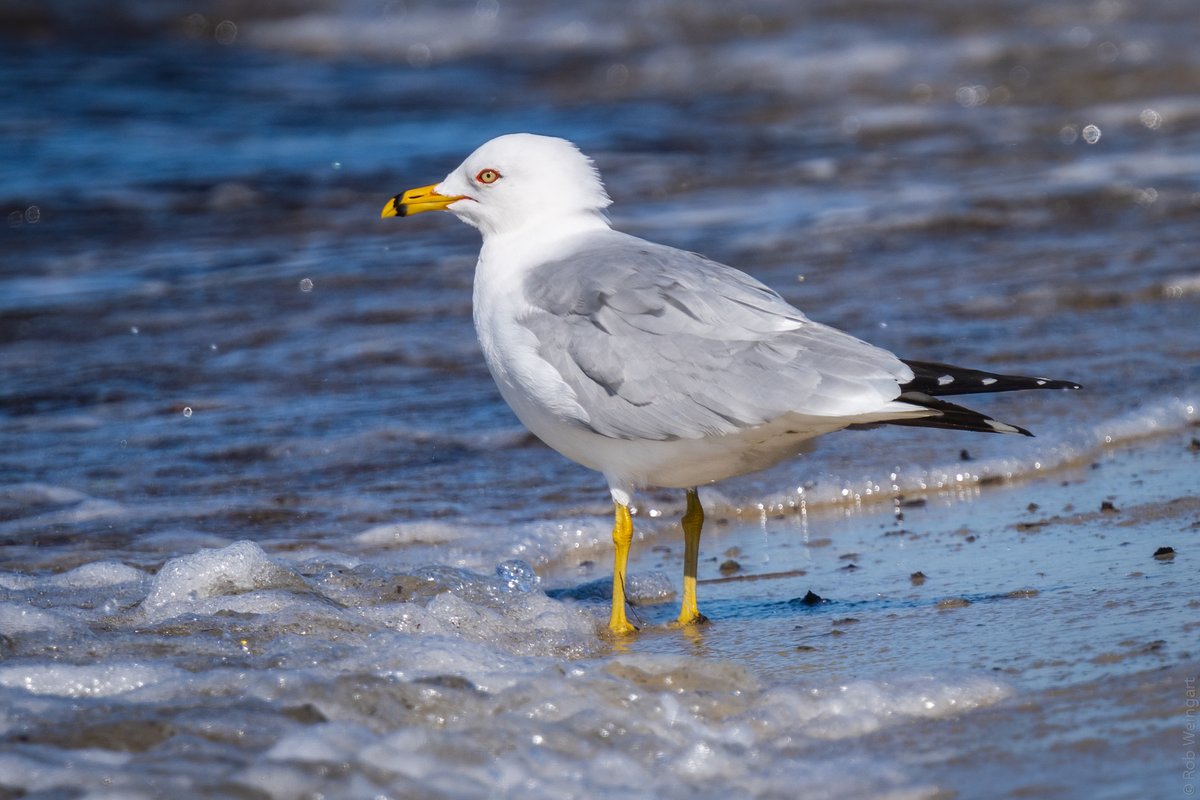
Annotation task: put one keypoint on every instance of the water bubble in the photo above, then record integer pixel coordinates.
(574, 33)
(419, 55)
(1150, 118)
(187, 412)
(487, 9)
(1068, 134)
(1137, 52)
(225, 32)
(1091, 134)
(519, 576)
(1079, 36)
(1145, 197)
(750, 25)
(971, 96)
(1109, 10)
(195, 26)
(134, 330)
(1109, 52)
(306, 284)
(33, 214)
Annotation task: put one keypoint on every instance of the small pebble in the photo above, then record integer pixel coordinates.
(729, 567)
(1164, 553)
(811, 598)
(917, 578)
(1108, 508)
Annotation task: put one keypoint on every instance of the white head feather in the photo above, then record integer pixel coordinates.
(539, 180)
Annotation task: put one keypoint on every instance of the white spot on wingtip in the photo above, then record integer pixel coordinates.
(988, 381)
(1041, 382)
(945, 379)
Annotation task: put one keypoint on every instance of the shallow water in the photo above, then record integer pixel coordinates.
(267, 529)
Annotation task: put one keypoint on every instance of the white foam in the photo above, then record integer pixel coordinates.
(862, 707)
(32, 494)
(97, 680)
(96, 575)
(326, 743)
(19, 618)
(399, 533)
(15, 582)
(239, 568)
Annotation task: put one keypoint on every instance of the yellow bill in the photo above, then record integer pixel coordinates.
(417, 201)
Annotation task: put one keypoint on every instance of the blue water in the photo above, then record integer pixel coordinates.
(207, 335)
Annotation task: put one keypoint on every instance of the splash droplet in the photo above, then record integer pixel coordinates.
(306, 284)
(1145, 197)
(187, 411)
(225, 32)
(1091, 134)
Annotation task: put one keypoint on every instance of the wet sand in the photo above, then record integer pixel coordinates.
(1052, 585)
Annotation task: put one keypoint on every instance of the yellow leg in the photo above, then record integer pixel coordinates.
(622, 537)
(693, 521)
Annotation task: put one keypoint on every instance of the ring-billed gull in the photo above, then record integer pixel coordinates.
(655, 366)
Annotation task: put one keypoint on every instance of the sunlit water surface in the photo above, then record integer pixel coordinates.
(267, 529)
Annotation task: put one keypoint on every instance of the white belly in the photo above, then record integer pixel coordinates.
(629, 464)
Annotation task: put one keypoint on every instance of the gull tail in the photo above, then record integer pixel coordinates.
(931, 379)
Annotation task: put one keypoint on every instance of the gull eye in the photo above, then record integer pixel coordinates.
(487, 176)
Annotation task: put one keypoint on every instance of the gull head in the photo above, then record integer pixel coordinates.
(512, 182)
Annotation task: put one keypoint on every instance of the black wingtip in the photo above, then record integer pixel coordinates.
(938, 380)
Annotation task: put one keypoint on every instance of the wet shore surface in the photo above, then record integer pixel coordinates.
(268, 530)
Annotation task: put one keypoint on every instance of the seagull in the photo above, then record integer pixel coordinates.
(655, 366)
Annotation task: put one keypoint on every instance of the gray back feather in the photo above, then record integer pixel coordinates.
(658, 343)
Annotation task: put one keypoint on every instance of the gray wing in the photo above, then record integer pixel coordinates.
(658, 343)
